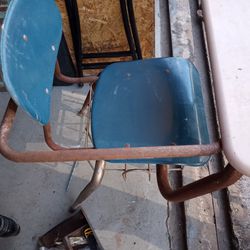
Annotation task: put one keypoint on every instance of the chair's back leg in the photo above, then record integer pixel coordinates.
(91, 186)
(203, 186)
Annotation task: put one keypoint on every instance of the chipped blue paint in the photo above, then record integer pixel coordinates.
(153, 102)
(30, 39)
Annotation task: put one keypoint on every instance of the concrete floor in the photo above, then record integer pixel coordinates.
(125, 214)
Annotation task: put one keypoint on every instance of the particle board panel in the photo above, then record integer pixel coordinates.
(102, 26)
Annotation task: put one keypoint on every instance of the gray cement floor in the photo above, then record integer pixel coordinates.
(127, 214)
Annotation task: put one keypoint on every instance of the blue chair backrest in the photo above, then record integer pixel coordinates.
(30, 39)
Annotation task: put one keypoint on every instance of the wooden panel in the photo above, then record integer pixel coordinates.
(102, 26)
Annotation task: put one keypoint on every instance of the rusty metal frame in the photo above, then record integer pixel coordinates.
(91, 186)
(86, 103)
(82, 154)
(73, 80)
(209, 184)
(88, 99)
(48, 139)
(60, 154)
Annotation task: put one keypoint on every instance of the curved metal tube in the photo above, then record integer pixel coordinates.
(87, 102)
(88, 99)
(73, 80)
(203, 186)
(49, 140)
(82, 154)
(91, 186)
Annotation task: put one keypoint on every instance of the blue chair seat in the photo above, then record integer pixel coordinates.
(154, 102)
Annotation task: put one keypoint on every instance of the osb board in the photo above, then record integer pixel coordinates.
(102, 27)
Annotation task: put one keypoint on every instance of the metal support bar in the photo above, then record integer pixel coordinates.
(91, 186)
(82, 154)
(134, 29)
(87, 102)
(98, 65)
(73, 80)
(74, 21)
(48, 138)
(203, 186)
(127, 28)
(88, 99)
(107, 54)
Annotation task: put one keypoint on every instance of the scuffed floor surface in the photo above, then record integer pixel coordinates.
(127, 214)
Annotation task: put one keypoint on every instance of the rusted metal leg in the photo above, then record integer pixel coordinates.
(91, 186)
(85, 104)
(88, 100)
(49, 140)
(206, 185)
(82, 154)
(73, 80)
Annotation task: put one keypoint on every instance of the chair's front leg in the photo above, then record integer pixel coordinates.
(203, 186)
(86, 103)
(88, 99)
(91, 186)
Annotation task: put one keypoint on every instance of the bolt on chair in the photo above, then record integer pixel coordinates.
(145, 111)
